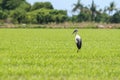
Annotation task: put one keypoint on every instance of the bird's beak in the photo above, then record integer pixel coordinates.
(73, 33)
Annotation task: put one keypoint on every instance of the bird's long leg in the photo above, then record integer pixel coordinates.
(77, 50)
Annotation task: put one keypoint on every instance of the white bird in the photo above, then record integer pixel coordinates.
(78, 39)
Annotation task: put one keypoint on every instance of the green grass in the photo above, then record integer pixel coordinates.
(50, 54)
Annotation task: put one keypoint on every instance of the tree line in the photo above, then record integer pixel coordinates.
(20, 11)
(110, 14)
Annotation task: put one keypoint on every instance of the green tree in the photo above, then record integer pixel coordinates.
(77, 6)
(10, 4)
(111, 7)
(84, 15)
(93, 10)
(84, 12)
(44, 16)
(73, 18)
(48, 5)
(0, 4)
(58, 16)
(25, 6)
(39, 5)
(18, 15)
(102, 17)
(31, 17)
(116, 17)
(3, 15)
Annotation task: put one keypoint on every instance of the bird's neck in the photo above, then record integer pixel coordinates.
(76, 33)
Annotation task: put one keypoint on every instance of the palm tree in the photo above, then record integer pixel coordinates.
(105, 10)
(111, 7)
(93, 10)
(77, 6)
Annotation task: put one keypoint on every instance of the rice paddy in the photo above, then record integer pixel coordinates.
(51, 54)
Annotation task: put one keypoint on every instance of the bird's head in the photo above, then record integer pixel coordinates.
(75, 31)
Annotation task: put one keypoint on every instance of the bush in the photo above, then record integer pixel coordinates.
(102, 17)
(3, 15)
(18, 15)
(42, 16)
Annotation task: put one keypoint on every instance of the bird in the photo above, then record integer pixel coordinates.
(78, 39)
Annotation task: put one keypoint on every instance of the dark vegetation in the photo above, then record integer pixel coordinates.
(20, 11)
(110, 14)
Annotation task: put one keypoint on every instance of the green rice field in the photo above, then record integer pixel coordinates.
(51, 54)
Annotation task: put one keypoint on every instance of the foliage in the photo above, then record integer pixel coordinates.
(111, 7)
(10, 4)
(39, 5)
(73, 18)
(25, 6)
(84, 16)
(46, 16)
(116, 17)
(96, 15)
(3, 15)
(31, 17)
(23, 12)
(18, 15)
(77, 6)
(102, 17)
(20, 11)
(93, 10)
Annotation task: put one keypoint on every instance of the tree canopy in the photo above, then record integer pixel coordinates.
(91, 13)
(11, 4)
(22, 12)
(39, 5)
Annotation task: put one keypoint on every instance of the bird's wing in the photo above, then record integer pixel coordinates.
(78, 41)
(77, 38)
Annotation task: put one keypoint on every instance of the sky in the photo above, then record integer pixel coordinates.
(68, 4)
